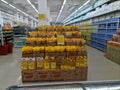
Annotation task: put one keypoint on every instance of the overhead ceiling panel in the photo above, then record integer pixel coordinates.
(54, 5)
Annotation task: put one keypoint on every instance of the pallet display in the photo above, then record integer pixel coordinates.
(113, 48)
(106, 29)
(113, 51)
(54, 53)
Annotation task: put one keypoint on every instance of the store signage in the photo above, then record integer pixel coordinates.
(42, 16)
(60, 40)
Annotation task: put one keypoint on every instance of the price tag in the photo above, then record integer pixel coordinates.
(60, 40)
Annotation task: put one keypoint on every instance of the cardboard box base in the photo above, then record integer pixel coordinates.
(56, 75)
(28, 75)
(53, 75)
(42, 75)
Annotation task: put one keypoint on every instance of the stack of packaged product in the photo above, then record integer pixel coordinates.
(113, 49)
(86, 30)
(54, 53)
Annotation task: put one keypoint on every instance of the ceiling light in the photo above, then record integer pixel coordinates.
(61, 10)
(19, 10)
(76, 10)
(33, 6)
(12, 6)
(4, 1)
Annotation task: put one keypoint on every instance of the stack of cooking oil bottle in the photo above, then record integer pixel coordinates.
(54, 53)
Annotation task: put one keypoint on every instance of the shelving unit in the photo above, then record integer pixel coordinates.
(106, 29)
(86, 31)
(1, 42)
(20, 35)
(6, 36)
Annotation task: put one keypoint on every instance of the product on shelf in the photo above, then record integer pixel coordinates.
(86, 30)
(6, 41)
(116, 38)
(105, 31)
(118, 31)
(54, 53)
(50, 34)
(7, 27)
(113, 51)
(58, 28)
(20, 34)
(53, 41)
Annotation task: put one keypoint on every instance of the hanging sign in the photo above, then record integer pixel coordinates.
(42, 16)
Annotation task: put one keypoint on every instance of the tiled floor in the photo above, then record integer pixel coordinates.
(99, 68)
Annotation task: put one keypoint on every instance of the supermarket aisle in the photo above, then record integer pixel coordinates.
(99, 68)
(10, 69)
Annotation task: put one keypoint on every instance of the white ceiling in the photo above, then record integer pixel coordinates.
(54, 5)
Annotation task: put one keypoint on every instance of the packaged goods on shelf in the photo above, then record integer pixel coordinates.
(118, 31)
(46, 34)
(58, 28)
(6, 41)
(20, 34)
(106, 29)
(51, 65)
(116, 38)
(113, 51)
(29, 51)
(53, 41)
(46, 59)
(86, 30)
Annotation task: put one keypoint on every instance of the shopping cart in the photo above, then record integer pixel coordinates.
(94, 85)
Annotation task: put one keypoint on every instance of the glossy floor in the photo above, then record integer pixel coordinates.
(99, 68)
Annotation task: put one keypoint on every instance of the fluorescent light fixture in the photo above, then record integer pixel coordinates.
(33, 6)
(76, 10)
(61, 10)
(12, 6)
(19, 10)
(4, 1)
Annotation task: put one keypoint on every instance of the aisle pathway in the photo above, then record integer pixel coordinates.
(99, 68)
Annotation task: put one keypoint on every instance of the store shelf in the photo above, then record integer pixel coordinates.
(19, 35)
(18, 46)
(18, 41)
(4, 32)
(104, 35)
(98, 48)
(111, 28)
(93, 40)
(101, 28)
(101, 43)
